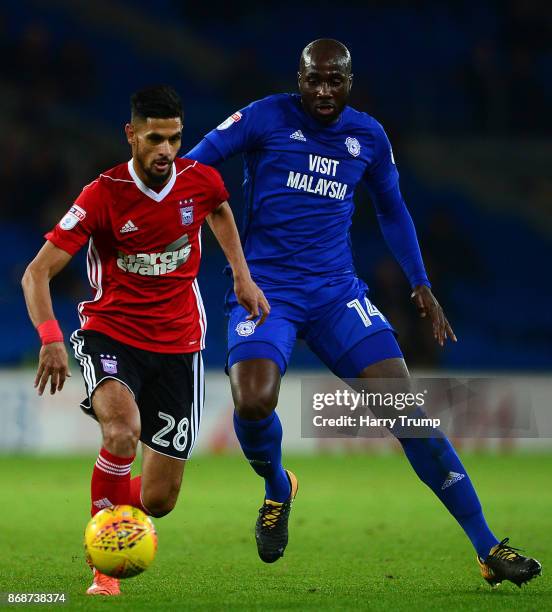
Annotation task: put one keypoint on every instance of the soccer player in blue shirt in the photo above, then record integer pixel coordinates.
(304, 155)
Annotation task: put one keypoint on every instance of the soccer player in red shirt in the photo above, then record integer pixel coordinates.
(141, 336)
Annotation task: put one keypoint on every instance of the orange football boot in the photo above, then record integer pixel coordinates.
(103, 584)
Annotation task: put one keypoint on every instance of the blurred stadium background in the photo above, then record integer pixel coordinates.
(464, 90)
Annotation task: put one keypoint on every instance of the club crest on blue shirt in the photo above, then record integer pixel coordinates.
(186, 212)
(353, 146)
(245, 328)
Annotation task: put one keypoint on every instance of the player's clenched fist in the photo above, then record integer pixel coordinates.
(53, 365)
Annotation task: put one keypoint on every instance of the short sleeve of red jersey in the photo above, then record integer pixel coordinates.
(220, 193)
(81, 220)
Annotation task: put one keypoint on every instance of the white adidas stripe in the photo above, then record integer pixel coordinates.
(94, 271)
(194, 402)
(88, 372)
(201, 392)
(201, 312)
(114, 466)
(198, 395)
(103, 469)
(110, 471)
(117, 471)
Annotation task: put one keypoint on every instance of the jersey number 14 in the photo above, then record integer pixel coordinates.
(371, 311)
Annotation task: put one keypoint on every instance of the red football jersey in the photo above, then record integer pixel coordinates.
(144, 250)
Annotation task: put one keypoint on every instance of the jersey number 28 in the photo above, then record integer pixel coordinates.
(180, 438)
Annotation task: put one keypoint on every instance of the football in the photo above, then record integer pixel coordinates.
(120, 541)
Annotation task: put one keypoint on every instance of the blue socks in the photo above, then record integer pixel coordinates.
(439, 467)
(261, 442)
(434, 460)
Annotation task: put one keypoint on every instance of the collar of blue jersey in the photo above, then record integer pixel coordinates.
(154, 195)
(313, 123)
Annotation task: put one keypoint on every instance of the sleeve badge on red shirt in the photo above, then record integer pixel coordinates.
(73, 216)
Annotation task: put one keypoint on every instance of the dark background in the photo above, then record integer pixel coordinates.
(464, 90)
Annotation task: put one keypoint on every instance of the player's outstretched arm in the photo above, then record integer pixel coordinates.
(398, 230)
(52, 361)
(221, 221)
(427, 304)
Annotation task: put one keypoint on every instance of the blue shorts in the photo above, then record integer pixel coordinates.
(335, 318)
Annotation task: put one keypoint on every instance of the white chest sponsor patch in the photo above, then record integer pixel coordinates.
(317, 185)
(156, 264)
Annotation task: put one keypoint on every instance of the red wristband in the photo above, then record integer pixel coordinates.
(49, 332)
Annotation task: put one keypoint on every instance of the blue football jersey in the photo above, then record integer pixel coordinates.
(299, 180)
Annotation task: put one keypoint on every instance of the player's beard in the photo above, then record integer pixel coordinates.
(155, 178)
(158, 179)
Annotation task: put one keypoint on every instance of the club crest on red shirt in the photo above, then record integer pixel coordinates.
(186, 212)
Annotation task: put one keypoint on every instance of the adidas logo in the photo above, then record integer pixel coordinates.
(298, 135)
(128, 227)
(451, 479)
(102, 503)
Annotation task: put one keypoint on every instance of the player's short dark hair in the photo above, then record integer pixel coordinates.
(158, 102)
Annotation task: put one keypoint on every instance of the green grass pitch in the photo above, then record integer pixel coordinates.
(365, 534)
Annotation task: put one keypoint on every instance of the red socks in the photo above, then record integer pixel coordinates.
(135, 496)
(111, 481)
